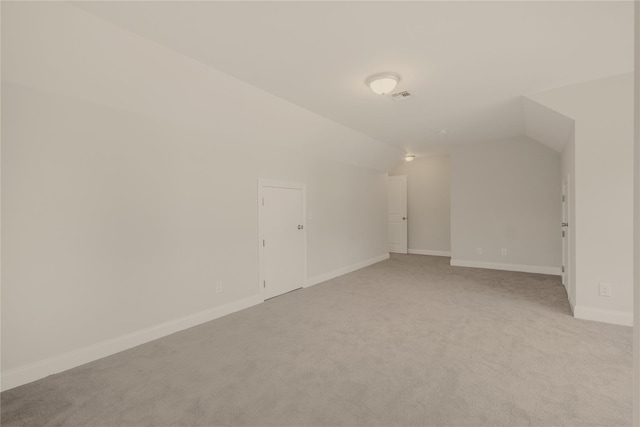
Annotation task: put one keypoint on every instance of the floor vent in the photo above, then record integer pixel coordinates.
(401, 95)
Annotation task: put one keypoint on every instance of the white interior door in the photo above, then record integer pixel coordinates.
(397, 214)
(283, 238)
(565, 233)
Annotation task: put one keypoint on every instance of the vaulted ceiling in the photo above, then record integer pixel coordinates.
(467, 64)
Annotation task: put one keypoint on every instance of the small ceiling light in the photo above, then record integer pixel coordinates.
(383, 83)
(409, 157)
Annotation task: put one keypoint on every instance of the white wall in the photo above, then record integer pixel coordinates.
(568, 173)
(603, 114)
(429, 203)
(129, 187)
(636, 291)
(506, 194)
(0, 201)
(545, 125)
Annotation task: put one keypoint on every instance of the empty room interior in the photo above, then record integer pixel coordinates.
(319, 213)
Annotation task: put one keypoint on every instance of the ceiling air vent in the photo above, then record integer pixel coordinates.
(401, 96)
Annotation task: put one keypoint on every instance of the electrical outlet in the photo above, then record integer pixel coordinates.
(605, 289)
(218, 286)
(479, 251)
(504, 251)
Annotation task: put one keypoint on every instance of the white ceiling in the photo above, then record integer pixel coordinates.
(466, 63)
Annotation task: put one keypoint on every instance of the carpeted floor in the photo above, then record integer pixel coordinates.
(408, 341)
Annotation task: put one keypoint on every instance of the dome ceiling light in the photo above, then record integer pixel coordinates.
(383, 83)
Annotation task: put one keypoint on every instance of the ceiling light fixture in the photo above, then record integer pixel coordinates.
(383, 83)
(409, 157)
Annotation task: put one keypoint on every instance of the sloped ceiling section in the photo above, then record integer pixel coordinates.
(467, 64)
(545, 125)
(552, 114)
(56, 47)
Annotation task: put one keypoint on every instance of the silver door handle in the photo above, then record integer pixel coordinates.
(565, 224)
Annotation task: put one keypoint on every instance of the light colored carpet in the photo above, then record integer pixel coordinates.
(408, 341)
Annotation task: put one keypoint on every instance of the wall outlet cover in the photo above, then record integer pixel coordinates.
(605, 289)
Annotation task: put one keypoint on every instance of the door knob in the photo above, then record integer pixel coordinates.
(565, 224)
(404, 218)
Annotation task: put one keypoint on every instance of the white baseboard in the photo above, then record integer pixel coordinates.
(555, 271)
(35, 371)
(344, 270)
(429, 252)
(607, 316)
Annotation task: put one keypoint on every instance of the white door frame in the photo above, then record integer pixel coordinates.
(566, 240)
(403, 180)
(565, 237)
(262, 183)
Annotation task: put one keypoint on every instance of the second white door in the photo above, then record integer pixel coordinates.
(397, 227)
(565, 233)
(283, 239)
